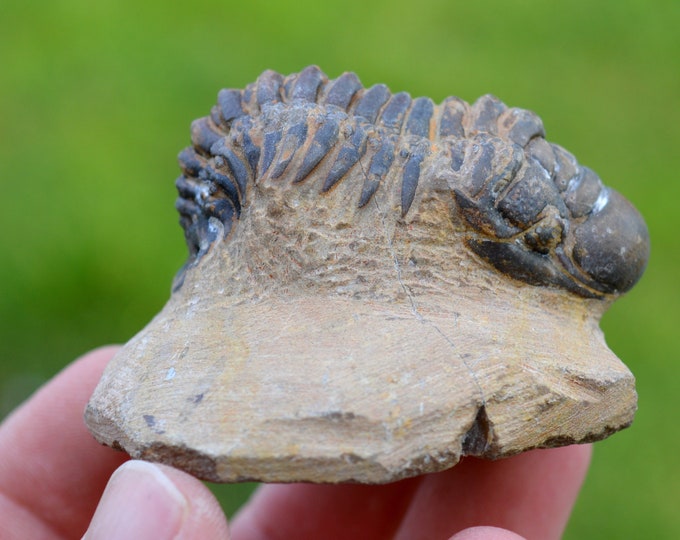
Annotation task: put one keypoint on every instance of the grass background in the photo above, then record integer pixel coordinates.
(96, 100)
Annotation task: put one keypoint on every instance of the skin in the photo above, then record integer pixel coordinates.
(57, 482)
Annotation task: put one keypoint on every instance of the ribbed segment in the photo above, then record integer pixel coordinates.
(529, 206)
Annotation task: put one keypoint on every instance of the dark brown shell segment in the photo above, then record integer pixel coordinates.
(532, 211)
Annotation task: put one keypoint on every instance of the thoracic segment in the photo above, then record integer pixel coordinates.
(532, 211)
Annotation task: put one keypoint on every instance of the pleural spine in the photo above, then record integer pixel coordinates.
(398, 125)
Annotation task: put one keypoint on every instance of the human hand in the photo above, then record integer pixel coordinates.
(53, 474)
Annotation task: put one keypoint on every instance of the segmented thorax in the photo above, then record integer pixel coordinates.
(529, 209)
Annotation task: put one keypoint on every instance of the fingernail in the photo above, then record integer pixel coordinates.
(139, 502)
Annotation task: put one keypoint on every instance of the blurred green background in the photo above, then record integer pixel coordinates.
(96, 100)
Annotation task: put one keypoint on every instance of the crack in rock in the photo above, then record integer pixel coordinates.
(479, 437)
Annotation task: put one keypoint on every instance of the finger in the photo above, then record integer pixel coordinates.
(146, 501)
(472, 493)
(307, 511)
(531, 494)
(52, 471)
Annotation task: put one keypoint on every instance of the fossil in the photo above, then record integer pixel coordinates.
(376, 286)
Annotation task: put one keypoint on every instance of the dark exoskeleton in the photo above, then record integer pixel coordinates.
(531, 210)
(541, 217)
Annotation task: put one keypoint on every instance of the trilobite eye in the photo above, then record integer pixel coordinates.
(612, 245)
(545, 236)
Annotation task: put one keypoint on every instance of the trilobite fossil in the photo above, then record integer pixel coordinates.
(532, 210)
(374, 288)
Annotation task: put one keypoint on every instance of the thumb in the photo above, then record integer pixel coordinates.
(148, 501)
(486, 533)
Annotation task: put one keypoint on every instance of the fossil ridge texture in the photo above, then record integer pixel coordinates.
(376, 286)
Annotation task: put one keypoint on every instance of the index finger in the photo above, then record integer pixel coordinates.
(52, 471)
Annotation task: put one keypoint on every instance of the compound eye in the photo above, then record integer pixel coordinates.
(612, 245)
